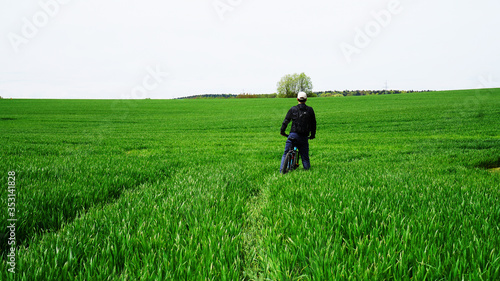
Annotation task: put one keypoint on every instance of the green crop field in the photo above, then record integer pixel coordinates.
(401, 187)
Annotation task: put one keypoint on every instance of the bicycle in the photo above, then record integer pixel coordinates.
(292, 158)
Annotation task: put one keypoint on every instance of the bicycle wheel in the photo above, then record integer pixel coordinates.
(287, 166)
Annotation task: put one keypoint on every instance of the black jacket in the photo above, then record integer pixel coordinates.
(293, 115)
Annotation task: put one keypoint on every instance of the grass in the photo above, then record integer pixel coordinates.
(399, 189)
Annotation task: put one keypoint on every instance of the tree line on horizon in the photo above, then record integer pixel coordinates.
(344, 93)
(291, 84)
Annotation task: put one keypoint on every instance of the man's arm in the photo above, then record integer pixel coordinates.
(287, 120)
(313, 125)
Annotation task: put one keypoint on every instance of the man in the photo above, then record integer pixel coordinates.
(303, 123)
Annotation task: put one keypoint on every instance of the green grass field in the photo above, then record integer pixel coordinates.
(400, 188)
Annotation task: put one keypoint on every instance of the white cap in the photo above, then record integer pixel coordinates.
(302, 96)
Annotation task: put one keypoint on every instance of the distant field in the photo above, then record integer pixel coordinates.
(401, 186)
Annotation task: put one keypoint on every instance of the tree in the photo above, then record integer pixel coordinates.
(291, 84)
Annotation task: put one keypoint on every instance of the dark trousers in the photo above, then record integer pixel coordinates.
(302, 143)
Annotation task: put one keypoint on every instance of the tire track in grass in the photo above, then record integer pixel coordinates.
(254, 225)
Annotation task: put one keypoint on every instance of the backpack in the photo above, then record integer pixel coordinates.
(301, 123)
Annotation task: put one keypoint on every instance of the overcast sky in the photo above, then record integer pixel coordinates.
(168, 49)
